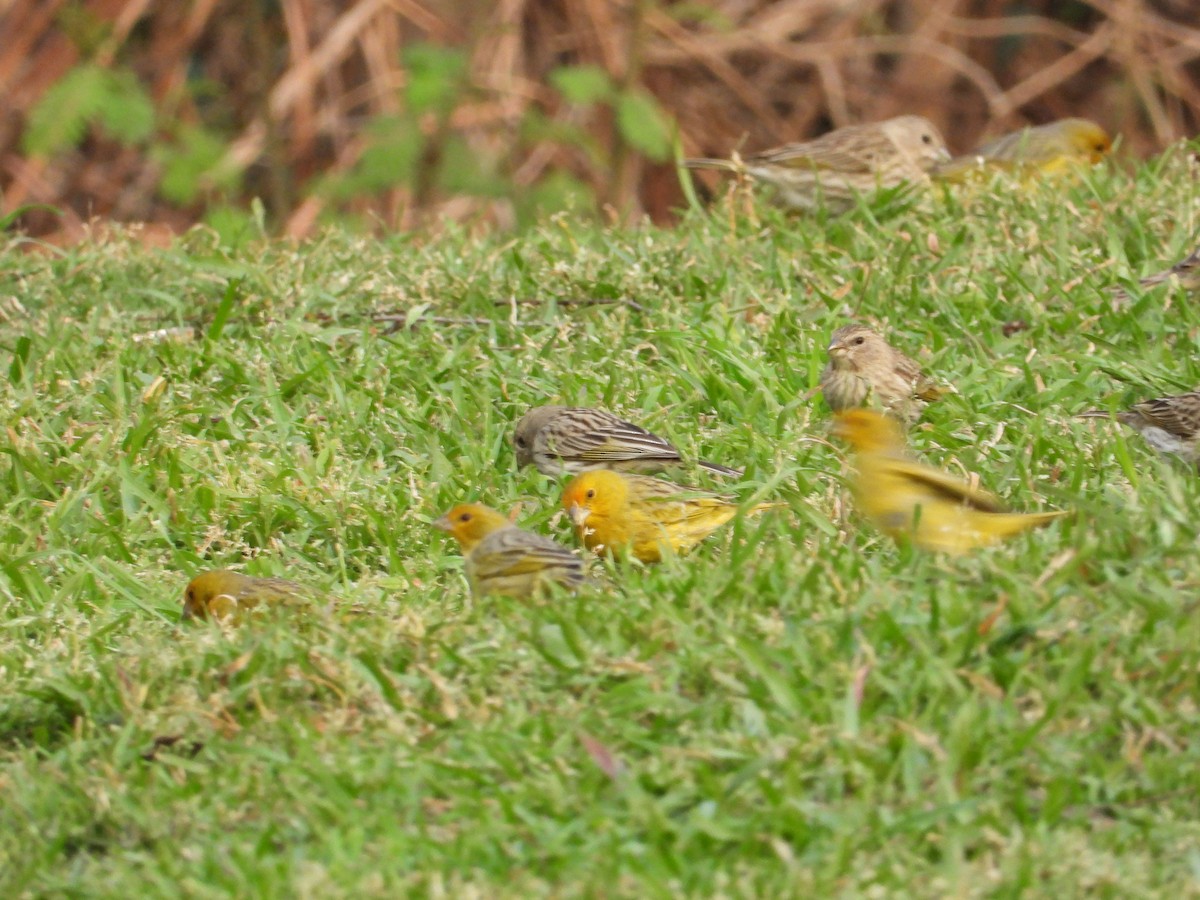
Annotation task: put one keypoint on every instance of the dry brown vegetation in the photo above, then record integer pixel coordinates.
(285, 100)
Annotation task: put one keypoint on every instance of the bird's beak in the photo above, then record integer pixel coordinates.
(944, 155)
(577, 514)
(836, 349)
(442, 524)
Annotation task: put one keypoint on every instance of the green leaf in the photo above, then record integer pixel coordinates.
(127, 112)
(644, 125)
(60, 119)
(435, 77)
(89, 94)
(583, 84)
(188, 162)
(233, 292)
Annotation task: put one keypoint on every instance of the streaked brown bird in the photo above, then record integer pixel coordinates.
(501, 558)
(1039, 150)
(226, 596)
(865, 370)
(1186, 271)
(575, 439)
(911, 501)
(1170, 425)
(833, 170)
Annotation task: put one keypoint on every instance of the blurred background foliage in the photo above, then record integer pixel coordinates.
(280, 115)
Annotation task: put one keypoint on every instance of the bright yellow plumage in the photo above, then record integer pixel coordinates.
(908, 500)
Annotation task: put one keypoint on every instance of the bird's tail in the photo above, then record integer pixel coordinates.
(725, 165)
(719, 469)
(1003, 524)
(763, 507)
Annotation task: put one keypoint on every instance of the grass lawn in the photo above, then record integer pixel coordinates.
(800, 708)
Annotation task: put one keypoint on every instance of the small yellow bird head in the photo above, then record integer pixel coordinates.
(869, 431)
(470, 523)
(212, 592)
(1086, 139)
(594, 493)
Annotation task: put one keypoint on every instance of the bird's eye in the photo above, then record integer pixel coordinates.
(465, 517)
(927, 138)
(520, 442)
(591, 493)
(859, 341)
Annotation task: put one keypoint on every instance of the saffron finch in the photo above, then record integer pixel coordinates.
(1186, 272)
(834, 169)
(865, 370)
(1169, 424)
(908, 500)
(1041, 150)
(504, 559)
(225, 595)
(643, 517)
(574, 439)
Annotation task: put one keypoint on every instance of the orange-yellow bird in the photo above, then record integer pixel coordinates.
(504, 559)
(635, 515)
(1041, 150)
(908, 500)
(225, 595)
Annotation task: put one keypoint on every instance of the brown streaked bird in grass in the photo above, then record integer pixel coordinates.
(501, 558)
(1186, 272)
(629, 515)
(1059, 146)
(1170, 425)
(835, 168)
(225, 596)
(865, 370)
(573, 439)
(912, 501)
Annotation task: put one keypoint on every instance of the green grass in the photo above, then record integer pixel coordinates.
(800, 708)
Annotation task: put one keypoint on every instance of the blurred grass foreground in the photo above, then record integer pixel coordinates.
(393, 115)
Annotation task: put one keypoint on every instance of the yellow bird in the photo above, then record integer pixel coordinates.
(504, 559)
(225, 595)
(1060, 146)
(647, 518)
(908, 500)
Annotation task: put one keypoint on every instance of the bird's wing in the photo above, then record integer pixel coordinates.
(1178, 415)
(613, 441)
(818, 154)
(944, 486)
(514, 551)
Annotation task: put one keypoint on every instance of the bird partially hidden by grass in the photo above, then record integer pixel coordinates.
(908, 500)
(629, 515)
(227, 596)
(865, 370)
(1186, 272)
(501, 558)
(1171, 425)
(833, 170)
(572, 439)
(1061, 146)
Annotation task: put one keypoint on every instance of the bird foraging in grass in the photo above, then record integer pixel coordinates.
(501, 558)
(911, 501)
(865, 370)
(573, 439)
(1065, 145)
(1171, 425)
(629, 515)
(225, 596)
(833, 170)
(1186, 272)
